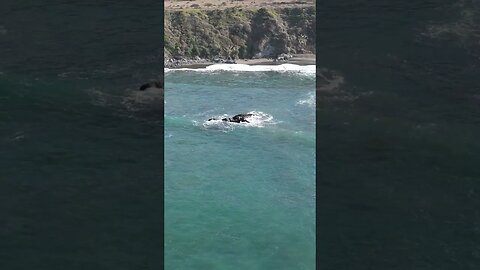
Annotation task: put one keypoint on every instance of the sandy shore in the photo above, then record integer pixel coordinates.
(297, 59)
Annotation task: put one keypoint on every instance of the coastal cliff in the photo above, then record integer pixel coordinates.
(239, 33)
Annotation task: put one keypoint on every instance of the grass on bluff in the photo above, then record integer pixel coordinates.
(230, 33)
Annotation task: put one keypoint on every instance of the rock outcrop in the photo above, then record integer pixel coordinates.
(236, 33)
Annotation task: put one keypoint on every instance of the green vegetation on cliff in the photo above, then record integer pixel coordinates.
(239, 33)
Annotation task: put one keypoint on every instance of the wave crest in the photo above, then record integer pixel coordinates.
(306, 70)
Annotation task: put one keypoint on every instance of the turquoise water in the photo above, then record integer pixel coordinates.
(239, 196)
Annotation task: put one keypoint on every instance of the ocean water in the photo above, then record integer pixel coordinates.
(81, 153)
(240, 196)
(398, 134)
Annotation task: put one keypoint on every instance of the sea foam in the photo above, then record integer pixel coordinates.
(258, 119)
(309, 101)
(307, 69)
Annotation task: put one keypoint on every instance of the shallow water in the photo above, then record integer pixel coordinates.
(239, 196)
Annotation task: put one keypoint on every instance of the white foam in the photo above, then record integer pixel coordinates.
(306, 69)
(310, 101)
(258, 119)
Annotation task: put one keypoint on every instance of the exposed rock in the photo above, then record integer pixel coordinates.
(237, 33)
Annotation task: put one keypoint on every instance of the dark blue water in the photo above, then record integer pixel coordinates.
(81, 155)
(398, 135)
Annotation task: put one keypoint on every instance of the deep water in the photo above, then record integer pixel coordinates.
(239, 196)
(81, 154)
(398, 135)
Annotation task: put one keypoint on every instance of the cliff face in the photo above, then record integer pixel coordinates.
(239, 33)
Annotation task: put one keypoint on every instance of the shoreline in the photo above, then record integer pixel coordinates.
(296, 59)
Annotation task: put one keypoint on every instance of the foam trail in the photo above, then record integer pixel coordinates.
(304, 138)
(308, 69)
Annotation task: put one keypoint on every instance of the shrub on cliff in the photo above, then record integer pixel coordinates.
(239, 33)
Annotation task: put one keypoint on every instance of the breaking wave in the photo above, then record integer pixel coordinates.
(306, 70)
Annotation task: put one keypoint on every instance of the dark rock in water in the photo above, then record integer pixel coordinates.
(153, 84)
(239, 118)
